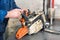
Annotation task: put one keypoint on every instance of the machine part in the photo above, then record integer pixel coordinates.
(51, 14)
(43, 15)
(45, 6)
(31, 19)
(47, 25)
(49, 8)
(39, 13)
(44, 19)
(36, 23)
(35, 27)
(21, 32)
(52, 31)
(23, 16)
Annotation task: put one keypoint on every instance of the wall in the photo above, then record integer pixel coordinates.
(37, 4)
(30, 4)
(57, 8)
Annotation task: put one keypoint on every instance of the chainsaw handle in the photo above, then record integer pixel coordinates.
(24, 29)
(24, 16)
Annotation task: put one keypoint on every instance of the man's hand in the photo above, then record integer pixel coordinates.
(15, 13)
(26, 10)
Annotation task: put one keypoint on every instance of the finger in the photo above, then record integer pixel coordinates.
(26, 11)
(19, 10)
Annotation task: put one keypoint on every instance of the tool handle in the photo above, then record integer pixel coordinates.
(24, 16)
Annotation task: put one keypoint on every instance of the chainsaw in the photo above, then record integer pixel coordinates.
(31, 23)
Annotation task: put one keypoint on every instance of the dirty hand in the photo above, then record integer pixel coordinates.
(24, 10)
(15, 13)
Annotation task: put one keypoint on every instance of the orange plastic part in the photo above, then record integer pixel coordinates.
(21, 32)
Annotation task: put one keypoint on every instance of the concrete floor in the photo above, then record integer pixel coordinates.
(41, 35)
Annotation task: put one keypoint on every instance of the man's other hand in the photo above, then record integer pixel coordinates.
(15, 13)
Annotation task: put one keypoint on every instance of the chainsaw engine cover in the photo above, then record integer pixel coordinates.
(35, 27)
(36, 24)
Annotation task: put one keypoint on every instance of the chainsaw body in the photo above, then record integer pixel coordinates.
(37, 21)
(30, 24)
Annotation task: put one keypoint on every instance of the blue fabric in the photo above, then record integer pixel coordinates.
(1, 36)
(2, 15)
(5, 5)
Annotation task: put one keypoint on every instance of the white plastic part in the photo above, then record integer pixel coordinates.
(35, 27)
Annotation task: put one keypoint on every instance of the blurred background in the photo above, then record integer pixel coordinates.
(34, 5)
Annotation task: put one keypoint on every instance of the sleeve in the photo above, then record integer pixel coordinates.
(3, 13)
